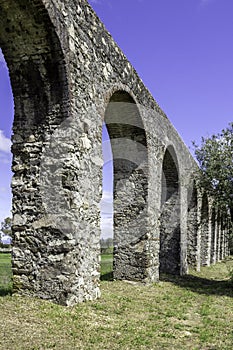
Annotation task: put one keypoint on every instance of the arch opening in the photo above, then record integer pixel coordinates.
(106, 238)
(6, 123)
(130, 186)
(169, 255)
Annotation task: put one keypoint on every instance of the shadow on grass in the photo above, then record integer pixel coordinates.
(200, 285)
(5, 290)
(107, 276)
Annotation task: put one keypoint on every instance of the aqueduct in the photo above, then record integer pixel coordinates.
(68, 77)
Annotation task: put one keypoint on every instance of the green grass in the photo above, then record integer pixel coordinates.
(5, 274)
(194, 312)
(106, 267)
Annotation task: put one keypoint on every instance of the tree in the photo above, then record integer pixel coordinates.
(6, 228)
(106, 245)
(215, 157)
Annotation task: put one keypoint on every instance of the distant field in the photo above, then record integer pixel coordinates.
(5, 259)
(193, 312)
(5, 273)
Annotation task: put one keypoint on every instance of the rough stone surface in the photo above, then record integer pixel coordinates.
(68, 77)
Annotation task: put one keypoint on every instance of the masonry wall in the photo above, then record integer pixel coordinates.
(65, 68)
(192, 228)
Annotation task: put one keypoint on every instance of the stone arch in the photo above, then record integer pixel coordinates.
(192, 227)
(40, 88)
(36, 64)
(170, 214)
(62, 263)
(130, 166)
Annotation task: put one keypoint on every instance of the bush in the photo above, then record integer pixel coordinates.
(5, 246)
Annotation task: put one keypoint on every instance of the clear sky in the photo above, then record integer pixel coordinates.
(182, 50)
(6, 119)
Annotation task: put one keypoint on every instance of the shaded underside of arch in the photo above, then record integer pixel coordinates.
(36, 64)
(170, 216)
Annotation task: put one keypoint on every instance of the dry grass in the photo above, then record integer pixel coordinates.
(195, 312)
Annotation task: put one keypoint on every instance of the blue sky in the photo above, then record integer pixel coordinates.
(182, 50)
(6, 118)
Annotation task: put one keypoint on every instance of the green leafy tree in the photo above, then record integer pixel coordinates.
(106, 245)
(215, 157)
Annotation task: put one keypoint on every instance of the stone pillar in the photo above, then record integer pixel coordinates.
(219, 228)
(205, 234)
(183, 230)
(199, 228)
(209, 234)
(214, 236)
(192, 228)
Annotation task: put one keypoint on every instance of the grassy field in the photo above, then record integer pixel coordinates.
(5, 274)
(106, 267)
(193, 312)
